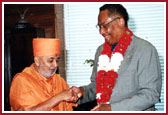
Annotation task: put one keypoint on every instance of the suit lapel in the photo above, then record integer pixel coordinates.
(127, 56)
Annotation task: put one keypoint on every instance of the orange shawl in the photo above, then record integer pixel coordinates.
(29, 88)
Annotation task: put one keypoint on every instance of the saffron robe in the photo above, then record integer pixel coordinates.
(29, 88)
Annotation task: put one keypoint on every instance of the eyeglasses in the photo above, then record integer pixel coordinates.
(105, 26)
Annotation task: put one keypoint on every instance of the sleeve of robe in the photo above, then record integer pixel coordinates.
(60, 85)
(21, 95)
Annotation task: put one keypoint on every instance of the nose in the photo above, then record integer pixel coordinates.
(55, 64)
(101, 30)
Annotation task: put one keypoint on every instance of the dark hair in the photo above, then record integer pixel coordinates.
(116, 9)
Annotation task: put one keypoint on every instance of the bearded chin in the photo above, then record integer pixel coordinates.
(47, 74)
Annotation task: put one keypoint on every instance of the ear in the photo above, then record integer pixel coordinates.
(122, 22)
(37, 60)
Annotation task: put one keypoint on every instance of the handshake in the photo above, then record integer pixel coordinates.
(72, 94)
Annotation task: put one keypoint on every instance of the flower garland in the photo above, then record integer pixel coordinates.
(108, 68)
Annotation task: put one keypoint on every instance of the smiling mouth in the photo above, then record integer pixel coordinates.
(106, 37)
(52, 69)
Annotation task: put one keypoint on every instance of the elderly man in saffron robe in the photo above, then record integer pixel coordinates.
(38, 88)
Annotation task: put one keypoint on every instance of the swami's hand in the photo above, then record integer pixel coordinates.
(102, 107)
(68, 95)
(79, 91)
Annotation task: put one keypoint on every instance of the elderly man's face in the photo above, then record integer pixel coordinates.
(47, 65)
(109, 27)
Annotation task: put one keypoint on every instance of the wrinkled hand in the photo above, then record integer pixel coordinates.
(69, 96)
(102, 107)
(78, 91)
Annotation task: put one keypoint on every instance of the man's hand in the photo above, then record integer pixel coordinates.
(69, 95)
(102, 107)
(78, 91)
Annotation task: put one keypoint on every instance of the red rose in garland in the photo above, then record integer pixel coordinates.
(108, 67)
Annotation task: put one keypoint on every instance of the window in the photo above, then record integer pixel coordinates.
(82, 38)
